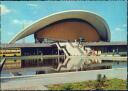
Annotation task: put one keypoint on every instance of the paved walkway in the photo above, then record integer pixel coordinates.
(38, 82)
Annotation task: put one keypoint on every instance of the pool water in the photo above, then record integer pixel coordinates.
(36, 70)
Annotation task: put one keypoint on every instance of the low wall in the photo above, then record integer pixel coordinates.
(12, 64)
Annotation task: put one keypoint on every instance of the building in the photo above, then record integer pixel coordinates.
(107, 48)
(66, 28)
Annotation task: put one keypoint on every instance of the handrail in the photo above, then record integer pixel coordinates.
(67, 51)
(64, 49)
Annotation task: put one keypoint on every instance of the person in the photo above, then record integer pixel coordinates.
(75, 41)
(117, 51)
(80, 40)
(113, 51)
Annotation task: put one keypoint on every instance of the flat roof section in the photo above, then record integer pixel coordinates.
(21, 45)
(49, 45)
(105, 43)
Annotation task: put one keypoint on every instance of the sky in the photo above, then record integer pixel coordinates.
(18, 14)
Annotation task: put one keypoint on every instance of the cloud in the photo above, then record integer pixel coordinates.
(121, 28)
(124, 25)
(16, 21)
(118, 29)
(33, 5)
(22, 22)
(4, 10)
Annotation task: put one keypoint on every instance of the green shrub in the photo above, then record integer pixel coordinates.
(67, 87)
(102, 83)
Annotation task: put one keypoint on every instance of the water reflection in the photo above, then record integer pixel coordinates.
(44, 66)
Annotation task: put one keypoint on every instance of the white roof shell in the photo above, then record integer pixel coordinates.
(92, 18)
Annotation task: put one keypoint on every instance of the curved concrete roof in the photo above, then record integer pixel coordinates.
(92, 18)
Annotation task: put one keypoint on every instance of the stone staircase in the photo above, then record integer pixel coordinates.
(76, 56)
(72, 49)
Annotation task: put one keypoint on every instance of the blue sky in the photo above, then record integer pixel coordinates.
(15, 15)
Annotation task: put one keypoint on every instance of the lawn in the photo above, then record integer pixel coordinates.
(103, 84)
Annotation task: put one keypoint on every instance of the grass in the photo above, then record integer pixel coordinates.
(111, 84)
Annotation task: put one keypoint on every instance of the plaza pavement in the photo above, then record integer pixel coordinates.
(38, 82)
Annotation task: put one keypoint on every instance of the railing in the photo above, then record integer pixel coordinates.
(63, 48)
